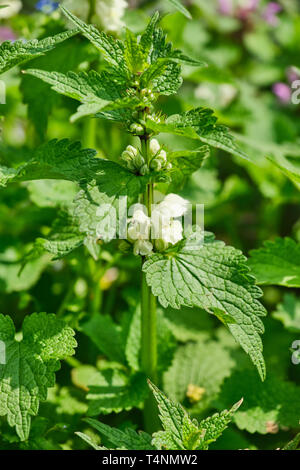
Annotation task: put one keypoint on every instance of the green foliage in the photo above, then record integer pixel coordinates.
(267, 407)
(180, 431)
(199, 275)
(197, 373)
(18, 52)
(288, 313)
(111, 389)
(282, 259)
(30, 365)
(149, 108)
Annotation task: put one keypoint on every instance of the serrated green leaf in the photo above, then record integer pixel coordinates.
(82, 86)
(93, 89)
(277, 262)
(161, 49)
(272, 404)
(112, 49)
(17, 52)
(146, 39)
(128, 439)
(185, 163)
(211, 276)
(134, 56)
(216, 424)
(110, 390)
(199, 124)
(57, 159)
(63, 238)
(183, 433)
(31, 365)
(203, 365)
(180, 432)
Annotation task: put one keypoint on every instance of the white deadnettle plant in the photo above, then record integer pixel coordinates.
(175, 270)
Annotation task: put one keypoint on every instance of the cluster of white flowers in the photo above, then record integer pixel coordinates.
(136, 162)
(164, 229)
(109, 13)
(12, 7)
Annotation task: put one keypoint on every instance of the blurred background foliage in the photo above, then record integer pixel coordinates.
(252, 51)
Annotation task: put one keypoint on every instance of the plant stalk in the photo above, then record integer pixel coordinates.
(149, 322)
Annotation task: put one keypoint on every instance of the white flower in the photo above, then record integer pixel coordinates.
(154, 147)
(162, 155)
(172, 206)
(164, 227)
(172, 233)
(139, 226)
(110, 13)
(13, 7)
(142, 247)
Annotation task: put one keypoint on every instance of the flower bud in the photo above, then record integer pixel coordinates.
(144, 170)
(162, 155)
(132, 150)
(137, 129)
(169, 166)
(139, 161)
(154, 147)
(126, 156)
(155, 164)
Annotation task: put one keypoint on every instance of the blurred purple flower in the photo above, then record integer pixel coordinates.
(7, 34)
(247, 8)
(270, 13)
(282, 91)
(225, 7)
(46, 6)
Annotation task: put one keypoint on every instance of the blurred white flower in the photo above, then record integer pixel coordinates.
(110, 13)
(227, 94)
(13, 7)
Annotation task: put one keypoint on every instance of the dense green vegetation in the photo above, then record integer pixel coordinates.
(149, 329)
